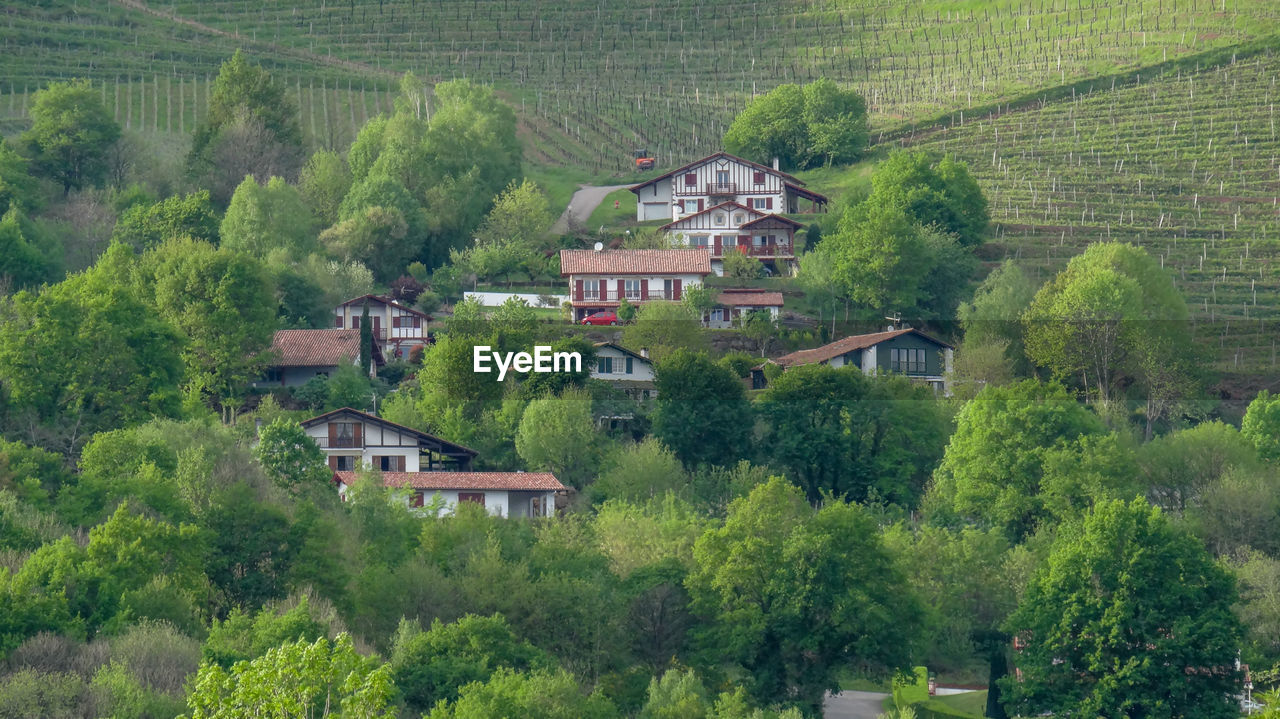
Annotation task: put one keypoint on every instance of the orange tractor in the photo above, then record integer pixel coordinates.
(644, 161)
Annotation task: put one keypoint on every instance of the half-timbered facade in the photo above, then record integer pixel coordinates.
(733, 227)
(721, 178)
(600, 279)
(396, 328)
(352, 439)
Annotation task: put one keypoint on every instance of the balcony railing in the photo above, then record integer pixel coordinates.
(612, 295)
(339, 443)
(722, 188)
(753, 250)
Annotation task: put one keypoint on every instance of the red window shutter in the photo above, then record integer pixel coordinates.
(691, 179)
(418, 499)
(355, 322)
(699, 205)
(577, 290)
(359, 439)
(716, 240)
(333, 463)
(644, 289)
(622, 289)
(337, 321)
(395, 322)
(333, 434)
(604, 289)
(768, 203)
(400, 464)
(675, 289)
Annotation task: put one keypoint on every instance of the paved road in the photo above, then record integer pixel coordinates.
(584, 202)
(853, 705)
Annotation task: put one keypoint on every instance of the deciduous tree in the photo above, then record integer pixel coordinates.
(70, 134)
(703, 415)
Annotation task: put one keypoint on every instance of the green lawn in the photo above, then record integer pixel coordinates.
(624, 216)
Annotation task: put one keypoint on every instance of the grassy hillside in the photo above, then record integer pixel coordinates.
(1185, 164)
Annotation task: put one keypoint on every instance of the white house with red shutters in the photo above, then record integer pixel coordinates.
(502, 494)
(396, 328)
(733, 305)
(717, 179)
(351, 439)
(600, 279)
(732, 227)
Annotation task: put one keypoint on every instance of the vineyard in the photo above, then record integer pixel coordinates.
(1186, 165)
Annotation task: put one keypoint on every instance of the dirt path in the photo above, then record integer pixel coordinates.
(582, 204)
(853, 705)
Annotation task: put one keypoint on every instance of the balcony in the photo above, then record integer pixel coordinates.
(612, 295)
(761, 251)
(720, 189)
(339, 443)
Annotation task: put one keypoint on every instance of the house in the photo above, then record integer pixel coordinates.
(629, 371)
(717, 179)
(351, 438)
(733, 304)
(732, 227)
(900, 351)
(600, 279)
(396, 328)
(299, 355)
(503, 494)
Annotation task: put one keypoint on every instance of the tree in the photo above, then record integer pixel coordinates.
(626, 311)
(558, 435)
(324, 181)
(941, 194)
(520, 214)
(786, 605)
(24, 262)
(17, 187)
(702, 414)
(433, 666)
(801, 126)
(376, 237)
(145, 225)
(992, 320)
(86, 355)
(994, 465)
(536, 695)
(263, 218)
(1128, 617)
(366, 340)
(740, 265)
(318, 679)
(1178, 466)
(640, 471)
(662, 328)
(290, 457)
(70, 134)
(876, 256)
(1261, 425)
(677, 695)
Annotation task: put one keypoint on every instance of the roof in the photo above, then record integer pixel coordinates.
(749, 298)
(848, 344)
(721, 206)
(635, 262)
(624, 351)
(807, 194)
(318, 348)
(456, 448)
(764, 221)
(386, 301)
(789, 178)
(519, 481)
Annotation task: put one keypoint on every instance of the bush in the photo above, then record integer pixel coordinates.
(314, 394)
(742, 266)
(739, 363)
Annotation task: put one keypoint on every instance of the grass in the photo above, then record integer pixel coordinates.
(969, 703)
(606, 215)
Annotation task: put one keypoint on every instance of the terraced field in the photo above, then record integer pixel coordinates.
(1187, 165)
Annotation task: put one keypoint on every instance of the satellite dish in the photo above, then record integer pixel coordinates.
(599, 246)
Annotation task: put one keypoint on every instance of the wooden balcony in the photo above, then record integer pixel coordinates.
(721, 189)
(762, 251)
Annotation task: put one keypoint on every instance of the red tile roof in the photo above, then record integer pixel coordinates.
(749, 298)
(315, 348)
(635, 262)
(848, 344)
(717, 156)
(385, 301)
(497, 481)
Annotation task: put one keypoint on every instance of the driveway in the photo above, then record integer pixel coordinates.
(583, 203)
(853, 705)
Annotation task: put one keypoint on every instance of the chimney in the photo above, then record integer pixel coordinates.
(644, 352)
(775, 163)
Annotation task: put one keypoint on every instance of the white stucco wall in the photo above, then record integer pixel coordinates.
(380, 444)
(641, 370)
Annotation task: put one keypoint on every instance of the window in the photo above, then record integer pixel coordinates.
(418, 500)
(604, 365)
(631, 289)
(739, 218)
(762, 203)
(699, 241)
(477, 497)
(344, 434)
(337, 321)
(274, 374)
(717, 315)
(591, 290)
(629, 366)
(344, 464)
(722, 177)
(691, 179)
(758, 177)
(719, 218)
(389, 464)
(355, 322)
(909, 361)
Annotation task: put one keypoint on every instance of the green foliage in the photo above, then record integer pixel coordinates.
(664, 327)
(756, 578)
(86, 355)
(702, 412)
(376, 237)
(244, 637)
(1258, 579)
(264, 218)
(537, 695)
(17, 187)
(1128, 616)
(432, 666)
(801, 126)
(324, 181)
(677, 695)
(298, 678)
(147, 224)
(241, 91)
(70, 134)
(1239, 513)
(1261, 425)
(1178, 466)
(740, 265)
(26, 259)
(558, 435)
(626, 311)
(739, 363)
(640, 471)
(938, 193)
(289, 456)
(635, 535)
(992, 319)
(520, 214)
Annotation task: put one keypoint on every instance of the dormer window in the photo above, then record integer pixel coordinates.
(739, 218)
(719, 218)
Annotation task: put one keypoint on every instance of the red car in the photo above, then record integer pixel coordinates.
(607, 317)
